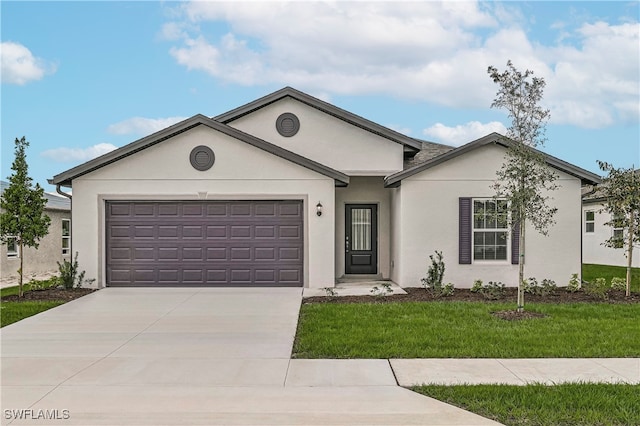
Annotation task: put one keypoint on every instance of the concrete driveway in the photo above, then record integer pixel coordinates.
(193, 356)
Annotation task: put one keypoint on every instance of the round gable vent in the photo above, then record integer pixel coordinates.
(287, 124)
(202, 158)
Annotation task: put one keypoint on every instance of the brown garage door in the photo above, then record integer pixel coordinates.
(212, 243)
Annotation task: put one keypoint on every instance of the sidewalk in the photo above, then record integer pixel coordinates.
(413, 372)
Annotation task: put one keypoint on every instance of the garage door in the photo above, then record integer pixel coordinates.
(212, 243)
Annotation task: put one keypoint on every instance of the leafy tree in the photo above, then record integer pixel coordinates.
(622, 191)
(23, 218)
(525, 179)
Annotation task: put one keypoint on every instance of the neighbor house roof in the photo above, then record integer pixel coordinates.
(597, 194)
(65, 178)
(586, 177)
(54, 202)
(410, 144)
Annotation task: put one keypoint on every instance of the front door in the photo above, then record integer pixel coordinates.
(361, 239)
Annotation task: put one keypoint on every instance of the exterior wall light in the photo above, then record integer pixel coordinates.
(319, 209)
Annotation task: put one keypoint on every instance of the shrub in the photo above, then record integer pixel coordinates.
(548, 287)
(330, 291)
(493, 290)
(530, 286)
(597, 288)
(574, 284)
(618, 284)
(384, 290)
(70, 277)
(447, 290)
(433, 281)
(477, 286)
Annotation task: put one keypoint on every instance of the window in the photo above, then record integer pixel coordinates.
(589, 221)
(618, 231)
(66, 237)
(13, 250)
(490, 218)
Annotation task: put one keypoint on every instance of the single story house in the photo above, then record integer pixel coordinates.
(289, 190)
(53, 248)
(595, 232)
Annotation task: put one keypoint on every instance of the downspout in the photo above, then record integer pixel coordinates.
(64, 194)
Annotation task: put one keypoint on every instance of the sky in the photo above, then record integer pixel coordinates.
(82, 78)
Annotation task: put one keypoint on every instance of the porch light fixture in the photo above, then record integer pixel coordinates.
(319, 209)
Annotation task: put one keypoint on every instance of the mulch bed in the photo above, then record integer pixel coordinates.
(417, 294)
(49, 294)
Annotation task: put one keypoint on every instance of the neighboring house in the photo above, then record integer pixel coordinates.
(54, 247)
(595, 232)
(290, 190)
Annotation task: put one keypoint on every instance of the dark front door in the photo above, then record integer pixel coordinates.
(361, 239)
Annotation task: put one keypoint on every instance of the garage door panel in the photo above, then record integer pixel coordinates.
(204, 243)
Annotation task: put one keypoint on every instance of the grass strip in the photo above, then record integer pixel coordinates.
(591, 271)
(539, 405)
(11, 312)
(466, 330)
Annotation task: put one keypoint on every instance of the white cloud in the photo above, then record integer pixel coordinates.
(75, 155)
(142, 125)
(463, 133)
(435, 52)
(19, 66)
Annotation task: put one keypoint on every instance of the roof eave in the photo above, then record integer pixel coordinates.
(65, 178)
(409, 143)
(586, 177)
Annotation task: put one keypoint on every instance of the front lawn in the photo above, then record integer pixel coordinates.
(539, 405)
(39, 296)
(11, 312)
(466, 330)
(591, 271)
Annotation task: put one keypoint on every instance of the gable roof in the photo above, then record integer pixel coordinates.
(65, 178)
(54, 202)
(586, 177)
(410, 144)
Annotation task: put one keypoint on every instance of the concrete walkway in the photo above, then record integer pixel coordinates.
(193, 356)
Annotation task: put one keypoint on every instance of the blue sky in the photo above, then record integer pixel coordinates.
(82, 78)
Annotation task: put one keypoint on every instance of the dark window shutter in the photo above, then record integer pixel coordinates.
(515, 244)
(464, 233)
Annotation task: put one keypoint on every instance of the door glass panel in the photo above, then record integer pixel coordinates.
(361, 229)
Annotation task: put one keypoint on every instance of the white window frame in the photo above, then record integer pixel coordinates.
(13, 253)
(66, 251)
(588, 222)
(504, 230)
(619, 231)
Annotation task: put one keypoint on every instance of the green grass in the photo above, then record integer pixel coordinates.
(33, 284)
(11, 312)
(591, 272)
(539, 405)
(466, 330)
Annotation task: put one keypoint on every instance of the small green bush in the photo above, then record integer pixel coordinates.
(574, 284)
(384, 290)
(493, 290)
(597, 288)
(447, 290)
(477, 286)
(433, 281)
(618, 284)
(70, 277)
(547, 287)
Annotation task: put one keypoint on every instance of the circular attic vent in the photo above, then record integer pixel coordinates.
(287, 124)
(202, 158)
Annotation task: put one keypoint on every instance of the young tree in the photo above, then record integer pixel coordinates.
(524, 180)
(23, 218)
(622, 189)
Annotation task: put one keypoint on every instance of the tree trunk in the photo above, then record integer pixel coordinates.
(20, 290)
(630, 254)
(521, 266)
